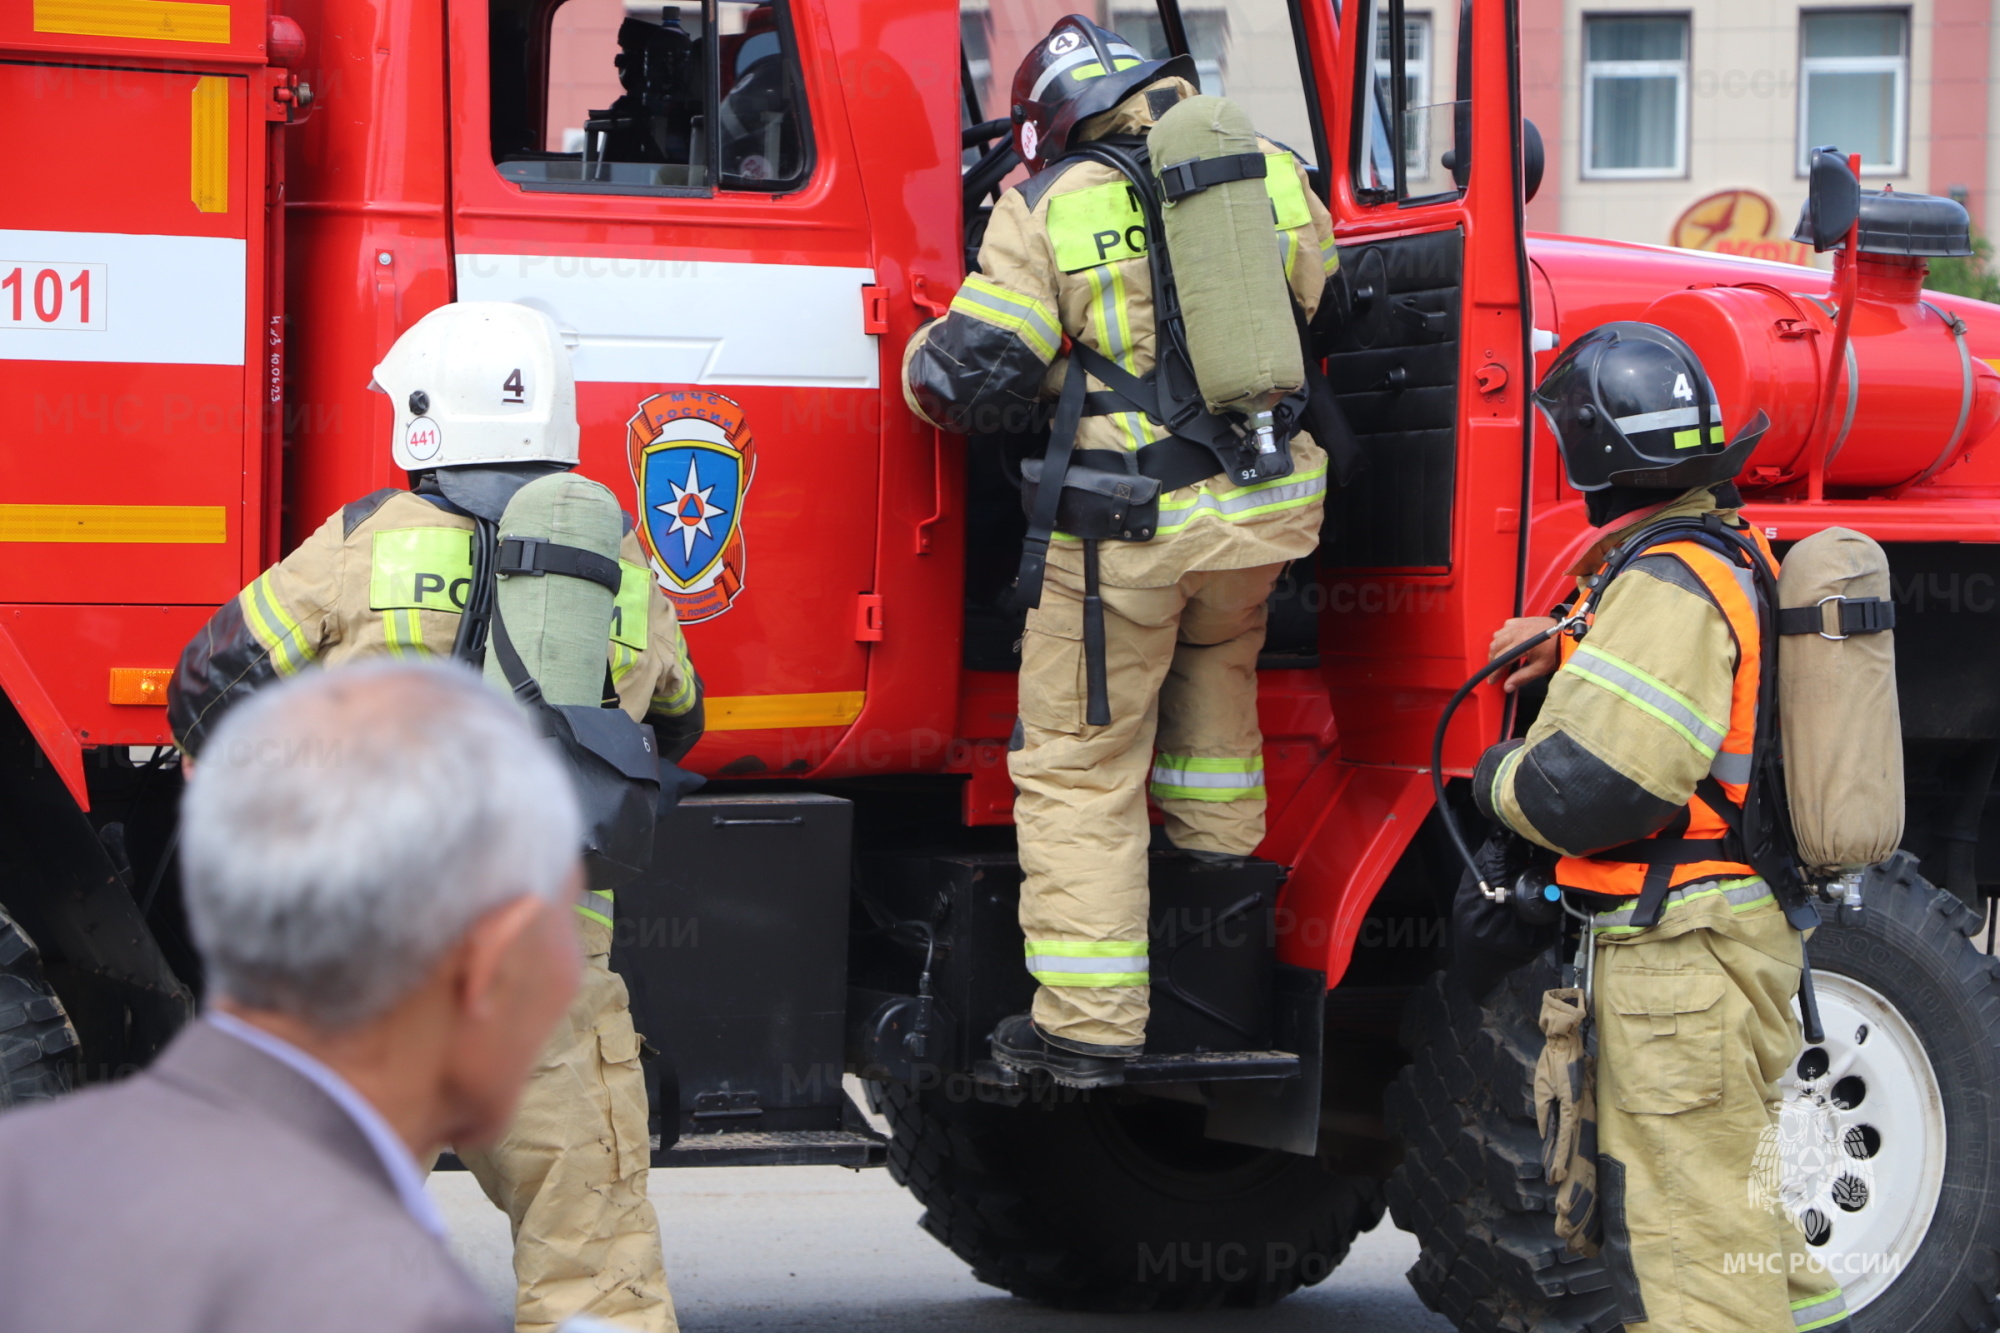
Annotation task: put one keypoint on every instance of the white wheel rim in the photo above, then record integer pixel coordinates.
(1881, 1204)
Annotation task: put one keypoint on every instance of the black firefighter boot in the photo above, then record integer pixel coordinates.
(1021, 1046)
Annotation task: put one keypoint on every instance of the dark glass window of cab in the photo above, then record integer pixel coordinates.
(623, 97)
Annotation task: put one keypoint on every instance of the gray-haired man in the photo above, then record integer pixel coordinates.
(379, 866)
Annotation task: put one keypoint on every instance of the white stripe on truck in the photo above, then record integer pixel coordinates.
(661, 320)
(159, 300)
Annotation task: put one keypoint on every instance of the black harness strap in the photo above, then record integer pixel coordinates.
(1048, 493)
(1137, 393)
(1173, 462)
(1096, 692)
(536, 556)
(1198, 173)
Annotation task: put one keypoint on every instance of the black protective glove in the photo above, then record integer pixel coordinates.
(1489, 939)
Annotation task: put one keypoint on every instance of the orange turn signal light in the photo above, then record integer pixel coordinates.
(140, 685)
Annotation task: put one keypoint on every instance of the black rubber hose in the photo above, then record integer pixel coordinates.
(1437, 747)
(982, 176)
(974, 135)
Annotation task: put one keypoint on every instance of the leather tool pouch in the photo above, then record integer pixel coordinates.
(1566, 1114)
(1096, 505)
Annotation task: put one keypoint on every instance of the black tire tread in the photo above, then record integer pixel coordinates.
(1470, 1183)
(952, 1153)
(38, 1044)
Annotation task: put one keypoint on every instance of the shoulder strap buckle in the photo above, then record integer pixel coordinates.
(1854, 615)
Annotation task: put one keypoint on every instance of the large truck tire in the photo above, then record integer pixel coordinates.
(1903, 1083)
(1117, 1203)
(1470, 1183)
(37, 1043)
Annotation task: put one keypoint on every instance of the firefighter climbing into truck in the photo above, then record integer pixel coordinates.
(302, 182)
(1168, 587)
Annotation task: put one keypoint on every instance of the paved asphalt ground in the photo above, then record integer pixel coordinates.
(751, 1249)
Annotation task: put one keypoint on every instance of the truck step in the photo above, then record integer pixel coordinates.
(1212, 1066)
(796, 1147)
(1186, 1067)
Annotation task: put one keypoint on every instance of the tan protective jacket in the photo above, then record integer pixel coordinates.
(1046, 274)
(388, 575)
(1646, 707)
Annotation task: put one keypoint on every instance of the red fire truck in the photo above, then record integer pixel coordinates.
(222, 214)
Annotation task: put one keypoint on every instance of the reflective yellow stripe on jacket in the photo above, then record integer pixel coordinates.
(597, 906)
(1026, 318)
(1304, 487)
(628, 618)
(289, 646)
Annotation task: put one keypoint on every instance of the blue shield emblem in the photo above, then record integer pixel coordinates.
(692, 491)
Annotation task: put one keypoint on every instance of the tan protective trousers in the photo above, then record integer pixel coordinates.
(571, 1173)
(1695, 1027)
(1181, 667)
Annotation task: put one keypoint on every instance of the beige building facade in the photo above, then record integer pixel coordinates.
(1689, 124)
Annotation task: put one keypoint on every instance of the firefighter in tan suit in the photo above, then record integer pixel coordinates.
(1063, 259)
(390, 574)
(1636, 771)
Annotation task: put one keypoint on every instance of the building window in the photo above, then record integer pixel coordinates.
(1207, 34)
(1416, 88)
(976, 36)
(1635, 96)
(1854, 81)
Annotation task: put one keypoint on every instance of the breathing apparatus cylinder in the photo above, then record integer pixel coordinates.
(1842, 730)
(1237, 309)
(560, 626)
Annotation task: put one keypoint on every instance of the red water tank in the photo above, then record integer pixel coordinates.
(1913, 400)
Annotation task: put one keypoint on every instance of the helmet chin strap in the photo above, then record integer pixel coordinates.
(1617, 504)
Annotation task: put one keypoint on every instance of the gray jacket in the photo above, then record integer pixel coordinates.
(217, 1192)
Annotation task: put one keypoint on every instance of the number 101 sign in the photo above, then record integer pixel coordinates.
(51, 296)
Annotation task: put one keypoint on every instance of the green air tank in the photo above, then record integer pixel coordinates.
(561, 626)
(1227, 267)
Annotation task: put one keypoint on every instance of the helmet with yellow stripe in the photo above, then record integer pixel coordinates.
(1078, 71)
(1630, 405)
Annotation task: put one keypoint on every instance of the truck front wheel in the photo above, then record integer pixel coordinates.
(1116, 1202)
(37, 1043)
(1899, 1094)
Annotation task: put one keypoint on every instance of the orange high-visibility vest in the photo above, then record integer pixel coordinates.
(1734, 590)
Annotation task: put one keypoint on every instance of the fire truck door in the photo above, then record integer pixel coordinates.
(672, 186)
(1421, 555)
(132, 369)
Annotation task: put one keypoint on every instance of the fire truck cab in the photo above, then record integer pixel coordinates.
(738, 212)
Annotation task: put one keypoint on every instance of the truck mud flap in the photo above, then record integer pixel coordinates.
(734, 948)
(1226, 1016)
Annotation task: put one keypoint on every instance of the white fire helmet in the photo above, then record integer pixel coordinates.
(480, 382)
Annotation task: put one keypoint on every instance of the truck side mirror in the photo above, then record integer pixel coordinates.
(1833, 202)
(1534, 159)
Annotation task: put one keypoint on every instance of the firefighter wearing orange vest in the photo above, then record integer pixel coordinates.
(485, 403)
(1064, 263)
(1640, 751)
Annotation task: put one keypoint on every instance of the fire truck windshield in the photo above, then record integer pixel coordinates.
(641, 98)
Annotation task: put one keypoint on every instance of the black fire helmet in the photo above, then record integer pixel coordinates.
(1078, 71)
(1630, 405)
